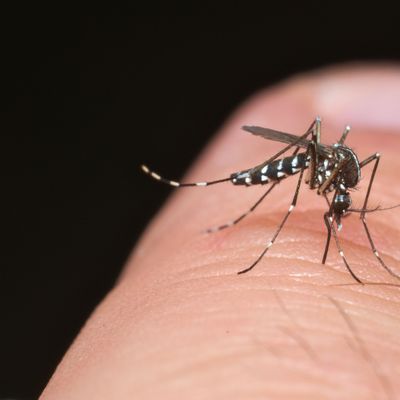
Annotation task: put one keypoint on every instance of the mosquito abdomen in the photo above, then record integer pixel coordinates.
(272, 172)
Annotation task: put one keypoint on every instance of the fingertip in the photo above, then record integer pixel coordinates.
(181, 289)
(366, 95)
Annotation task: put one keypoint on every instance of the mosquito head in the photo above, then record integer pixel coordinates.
(341, 204)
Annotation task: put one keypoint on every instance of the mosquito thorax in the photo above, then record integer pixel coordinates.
(351, 173)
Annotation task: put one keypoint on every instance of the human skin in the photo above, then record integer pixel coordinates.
(181, 324)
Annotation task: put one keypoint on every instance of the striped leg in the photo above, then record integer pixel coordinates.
(344, 134)
(291, 208)
(374, 157)
(315, 141)
(157, 177)
(249, 211)
(328, 219)
(331, 229)
(328, 237)
(328, 227)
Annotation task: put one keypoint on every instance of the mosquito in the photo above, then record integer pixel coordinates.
(330, 169)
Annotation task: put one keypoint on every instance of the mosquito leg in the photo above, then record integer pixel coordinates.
(291, 208)
(310, 177)
(340, 250)
(157, 177)
(328, 227)
(328, 237)
(344, 134)
(328, 218)
(369, 159)
(375, 251)
(296, 151)
(314, 157)
(376, 158)
(316, 138)
(314, 154)
(332, 177)
(235, 221)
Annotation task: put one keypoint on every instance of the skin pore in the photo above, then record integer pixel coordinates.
(181, 324)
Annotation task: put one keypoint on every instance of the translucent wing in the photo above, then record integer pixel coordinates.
(283, 137)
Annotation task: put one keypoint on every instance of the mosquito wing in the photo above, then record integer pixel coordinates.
(283, 137)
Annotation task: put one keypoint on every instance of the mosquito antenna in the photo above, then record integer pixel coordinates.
(169, 182)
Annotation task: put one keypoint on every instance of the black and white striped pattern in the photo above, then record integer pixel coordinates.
(272, 172)
(169, 182)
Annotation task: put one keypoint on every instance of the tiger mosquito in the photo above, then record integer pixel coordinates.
(330, 169)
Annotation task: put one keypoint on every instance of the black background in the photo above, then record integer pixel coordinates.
(86, 96)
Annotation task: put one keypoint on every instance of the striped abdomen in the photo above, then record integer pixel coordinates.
(272, 172)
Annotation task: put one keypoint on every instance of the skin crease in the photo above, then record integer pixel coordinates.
(181, 324)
